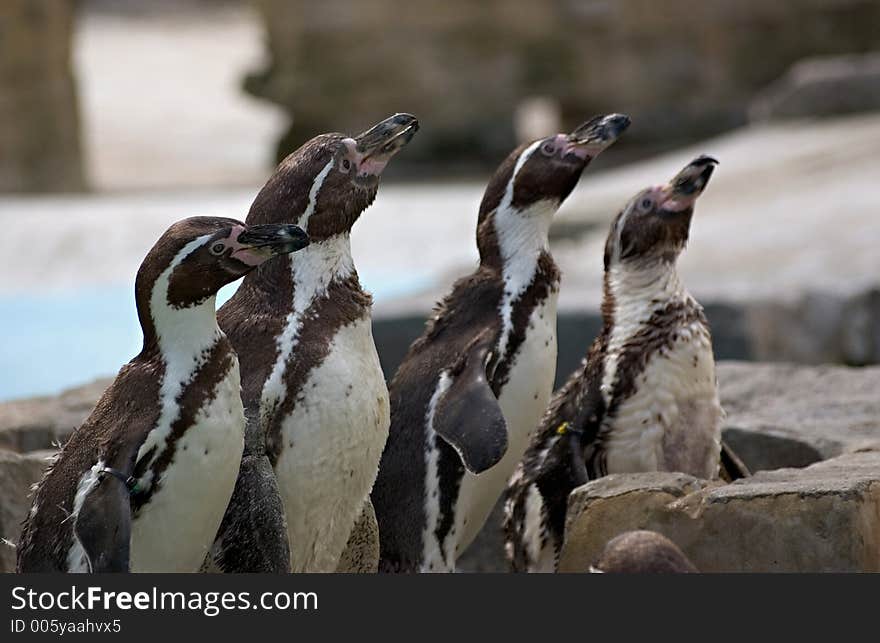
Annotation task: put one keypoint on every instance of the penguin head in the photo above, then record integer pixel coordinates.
(654, 225)
(536, 177)
(326, 184)
(196, 257)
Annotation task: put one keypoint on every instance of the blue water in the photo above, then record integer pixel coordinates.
(52, 341)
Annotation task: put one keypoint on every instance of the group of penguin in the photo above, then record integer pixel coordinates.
(262, 436)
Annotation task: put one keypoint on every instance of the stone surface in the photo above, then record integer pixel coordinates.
(39, 114)
(642, 552)
(822, 87)
(361, 555)
(782, 415)
(351, 58)
(778, 415)
(42, 422)
(824, 518)
(17, 474)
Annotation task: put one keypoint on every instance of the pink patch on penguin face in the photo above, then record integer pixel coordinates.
(372, 166)
(245, 254)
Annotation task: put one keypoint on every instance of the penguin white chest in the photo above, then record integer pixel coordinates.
(175, 529)
(672, 421)
(523, 400)
(332, 443)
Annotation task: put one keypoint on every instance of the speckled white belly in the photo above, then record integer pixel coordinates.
(523, 401)
(673, 421)
(333, 441)
(173, 532)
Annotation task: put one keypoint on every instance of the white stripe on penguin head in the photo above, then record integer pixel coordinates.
(303, 221)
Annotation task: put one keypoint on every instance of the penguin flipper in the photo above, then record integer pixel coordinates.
(468, 415)
(103, 527)
(732, 467)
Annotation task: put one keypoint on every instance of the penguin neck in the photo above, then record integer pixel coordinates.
(317, 266)
(634, 293)
(179, 333)
(184, 338)
(520, 241)
(512, 240)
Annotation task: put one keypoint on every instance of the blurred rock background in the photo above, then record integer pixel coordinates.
(118, 117)
(136, 113)
(688, 69)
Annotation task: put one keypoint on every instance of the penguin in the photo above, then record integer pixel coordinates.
(646, 397)
(642, 552)
(314, 392)
(474, 385)
(143, 483)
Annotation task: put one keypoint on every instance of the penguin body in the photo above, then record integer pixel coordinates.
(646, 397)
(315, 394)
(142, 485)
(465, 398)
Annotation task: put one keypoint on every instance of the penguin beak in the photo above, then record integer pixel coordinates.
(377, 145)
(592, 137)
(682, 191)
(271, 239)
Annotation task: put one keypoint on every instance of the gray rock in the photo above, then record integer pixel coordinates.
(642, 552)
(816, 327)
(17, 474)
(822, 87)
(860, 333)
(361, 555)
(43, 422)
(822, 518)
(782, 415)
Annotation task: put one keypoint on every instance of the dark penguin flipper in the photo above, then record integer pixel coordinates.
(103, 526)
(253, 536)
(732, 467)
(468, 415)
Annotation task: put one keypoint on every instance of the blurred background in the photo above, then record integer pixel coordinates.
(118, 117)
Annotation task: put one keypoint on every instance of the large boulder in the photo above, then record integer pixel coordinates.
(39, 114)
(42, 422)
(785, 415)
(18, 473)
(824, 518)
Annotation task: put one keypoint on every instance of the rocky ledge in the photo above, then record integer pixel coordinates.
(823, 518)
(811, 434)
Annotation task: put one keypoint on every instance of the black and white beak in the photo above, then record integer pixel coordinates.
(273, 239)
(386, 138)
(599, 132)
(682, 191)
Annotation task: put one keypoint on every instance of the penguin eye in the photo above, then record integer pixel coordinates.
(346, 165)
(548, 148)
(646, 204)
(217, 249)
